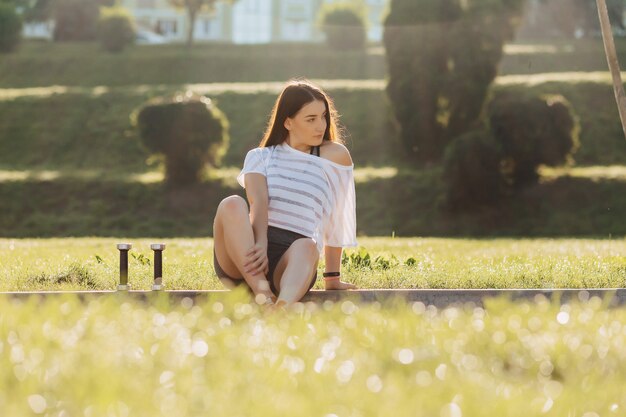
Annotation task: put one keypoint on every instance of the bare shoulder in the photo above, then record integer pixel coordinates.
(337, 153)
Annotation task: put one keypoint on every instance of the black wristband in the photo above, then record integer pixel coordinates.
(331, 274)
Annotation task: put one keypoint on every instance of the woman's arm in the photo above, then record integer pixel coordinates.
(256, 191)
(332, 257)
(338, 154)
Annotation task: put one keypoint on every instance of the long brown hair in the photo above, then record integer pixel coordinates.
(294, 96)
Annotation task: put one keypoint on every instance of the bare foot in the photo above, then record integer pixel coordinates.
(265, 298)
(278, 306)
(339, 285)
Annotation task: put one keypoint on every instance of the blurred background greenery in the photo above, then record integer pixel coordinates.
(72, 162)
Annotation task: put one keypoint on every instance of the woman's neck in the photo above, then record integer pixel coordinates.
(302, 147)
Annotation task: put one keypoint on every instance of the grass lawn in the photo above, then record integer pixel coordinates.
(93, 263)
(37, 64)
(114, 356)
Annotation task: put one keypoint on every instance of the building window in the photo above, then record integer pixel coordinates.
(207, 28)
(252, 21)
(167, 27)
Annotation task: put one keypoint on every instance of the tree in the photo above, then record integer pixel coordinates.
(589, 12)
(76, 20)
(194, 7)
(40, 11)
(34, 10)
(10, 28)
(611, 57)
(344, 24)
(442, 57)
(43, 10)
(570, 17)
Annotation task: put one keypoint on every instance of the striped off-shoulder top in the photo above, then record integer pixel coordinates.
(307, 194)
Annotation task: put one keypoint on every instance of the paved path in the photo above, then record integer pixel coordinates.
(438, 298)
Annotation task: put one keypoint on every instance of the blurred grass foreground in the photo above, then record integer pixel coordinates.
(115, 356)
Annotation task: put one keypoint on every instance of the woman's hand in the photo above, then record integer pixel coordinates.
(338, 284)
(256, 262)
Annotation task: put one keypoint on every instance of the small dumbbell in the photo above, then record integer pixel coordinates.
(124, 248)
(158, 249)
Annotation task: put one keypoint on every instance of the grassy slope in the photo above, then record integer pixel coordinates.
(94, 154)
(62, 264)
(79, 131)
(87, 142)
(43, 64)
(408, 204)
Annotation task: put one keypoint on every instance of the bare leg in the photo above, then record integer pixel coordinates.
(233, 237)
(295, 270)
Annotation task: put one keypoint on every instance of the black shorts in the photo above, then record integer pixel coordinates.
(278, 241)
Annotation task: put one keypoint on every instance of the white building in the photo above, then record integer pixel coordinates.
(247, 21)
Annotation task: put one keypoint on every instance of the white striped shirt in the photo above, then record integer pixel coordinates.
(307, 194)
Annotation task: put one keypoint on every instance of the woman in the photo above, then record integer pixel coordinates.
(300, 186)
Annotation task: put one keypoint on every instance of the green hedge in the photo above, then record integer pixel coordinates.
(409, 204)
(43, 64)
(79, 63)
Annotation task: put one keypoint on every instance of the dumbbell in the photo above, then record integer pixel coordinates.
(123, 248)
(158, 249)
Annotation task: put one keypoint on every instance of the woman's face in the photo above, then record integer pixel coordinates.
(307, 127)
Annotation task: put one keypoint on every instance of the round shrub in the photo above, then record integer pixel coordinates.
(116, 29)
(533, 131)
(344, 26)
(188, 130)
(472, 170)
(10, 28)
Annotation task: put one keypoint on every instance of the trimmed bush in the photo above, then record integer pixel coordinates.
(10, 28)
(472, 170)
(442, 57)
(188, 130)
(116, 29)
(344, 25)
(533, 131)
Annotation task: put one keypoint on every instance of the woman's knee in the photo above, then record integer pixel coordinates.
(306, 248)
(232, 206)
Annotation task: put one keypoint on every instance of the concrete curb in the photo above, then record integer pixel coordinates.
(436, 297)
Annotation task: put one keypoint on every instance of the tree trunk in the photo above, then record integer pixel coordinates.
(611, 57)
(192, 24)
